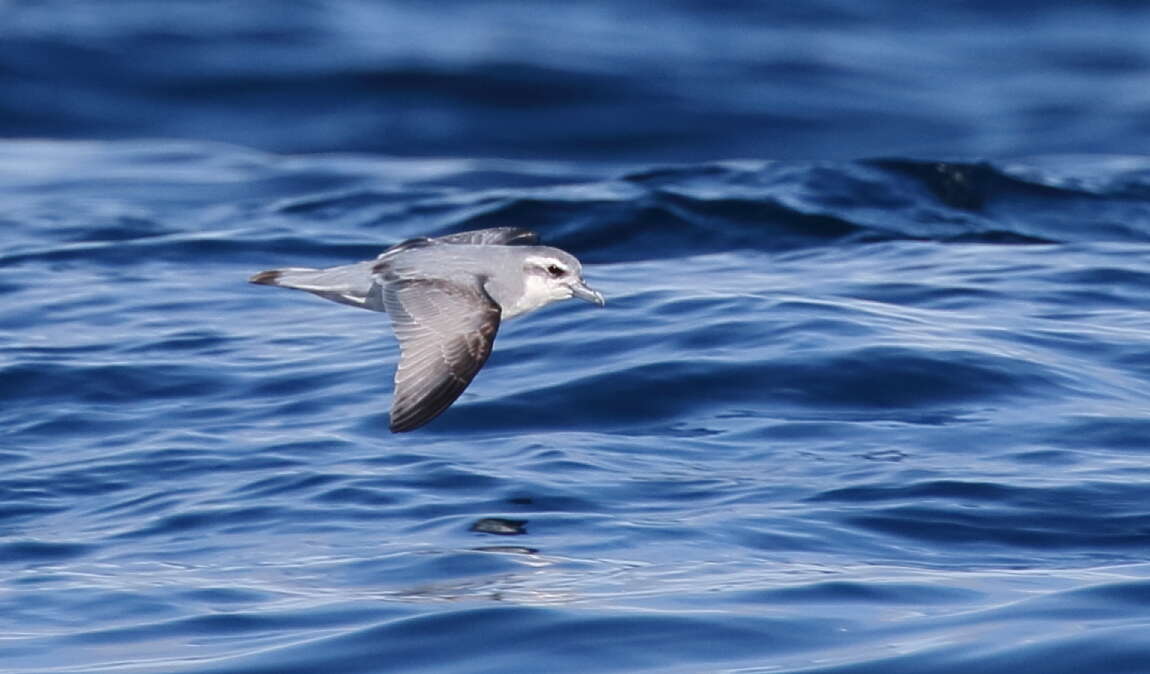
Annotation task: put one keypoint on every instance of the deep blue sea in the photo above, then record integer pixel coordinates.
(870, 394)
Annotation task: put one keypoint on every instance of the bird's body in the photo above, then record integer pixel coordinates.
(446, 297)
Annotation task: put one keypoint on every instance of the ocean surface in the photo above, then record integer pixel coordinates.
(675, 80)
(870, 393)
(870, 416)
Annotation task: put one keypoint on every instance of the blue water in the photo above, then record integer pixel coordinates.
(675, 80)
(871, 392)
(836, 417)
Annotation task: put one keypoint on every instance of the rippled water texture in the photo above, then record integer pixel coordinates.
(676, 80)
(875, 416)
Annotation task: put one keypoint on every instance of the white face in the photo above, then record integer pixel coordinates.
(546, 279)
(550, 278)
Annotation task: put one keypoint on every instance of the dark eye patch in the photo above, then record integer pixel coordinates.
(555, 270)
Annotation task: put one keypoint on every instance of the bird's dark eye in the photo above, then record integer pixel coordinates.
(555, 270)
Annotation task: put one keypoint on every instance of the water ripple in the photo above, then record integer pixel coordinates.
(836, 417)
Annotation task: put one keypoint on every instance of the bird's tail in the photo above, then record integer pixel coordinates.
(350, 284)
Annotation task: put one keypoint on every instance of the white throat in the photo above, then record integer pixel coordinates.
(537, 292)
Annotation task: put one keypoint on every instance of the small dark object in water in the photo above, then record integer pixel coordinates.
(498, 525)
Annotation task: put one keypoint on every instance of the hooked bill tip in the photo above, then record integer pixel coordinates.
(585, 293)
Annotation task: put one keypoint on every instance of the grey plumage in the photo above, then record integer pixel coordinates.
(446, 297)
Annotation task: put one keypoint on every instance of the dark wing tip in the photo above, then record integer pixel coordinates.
(406, 425)
(266, 278)
(406, 416)
(397, 427)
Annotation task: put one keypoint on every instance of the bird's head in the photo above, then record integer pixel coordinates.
(553, 275)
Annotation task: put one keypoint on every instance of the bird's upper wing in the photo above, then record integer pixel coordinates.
(445, 331)
(495, 236)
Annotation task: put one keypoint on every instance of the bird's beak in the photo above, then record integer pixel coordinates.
(581, 290)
